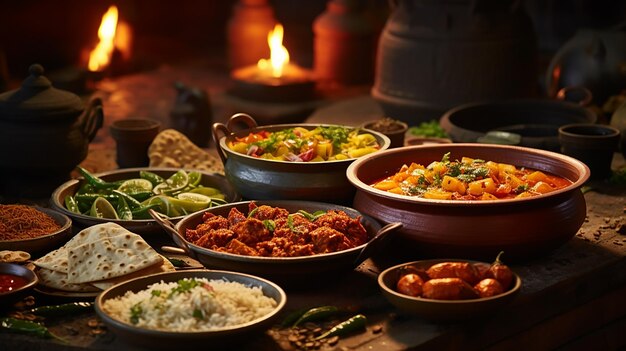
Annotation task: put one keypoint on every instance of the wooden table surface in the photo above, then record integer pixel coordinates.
(571, 299)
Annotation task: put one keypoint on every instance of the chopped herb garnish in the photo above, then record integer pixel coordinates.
(255, 210)
(446, 158)
(312, 216)
(135, 313)
(521, 188)
(198, 314)
(184, 285)
(291, 225)
(269, 224)
(156, 293)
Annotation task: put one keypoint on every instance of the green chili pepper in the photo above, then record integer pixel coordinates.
(316, 313)
(357, 322)
(141, 195)
(293, 317)
(63, 309)
(27, 327)
(130, 201)
(142, 212)
(97, 182)
(90, 198)
(123, 210)
(155, 179)
(70, 204)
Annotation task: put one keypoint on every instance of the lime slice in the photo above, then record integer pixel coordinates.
(206, 190)
(194, 178)
(165, 205)
(192, 201)
(178, 180)
(101, 208)
(137, 185)
(174, 183)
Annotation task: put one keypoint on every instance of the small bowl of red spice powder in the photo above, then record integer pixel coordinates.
(32, 229)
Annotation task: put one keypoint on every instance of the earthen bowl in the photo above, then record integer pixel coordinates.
(441, 310)
(263, 179)
(522, 227)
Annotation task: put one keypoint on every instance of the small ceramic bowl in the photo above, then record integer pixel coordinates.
(441, 310)
(44, 243)
(9, 297)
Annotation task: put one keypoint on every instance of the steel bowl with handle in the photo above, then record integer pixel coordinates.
(263, 179)
(281, 269)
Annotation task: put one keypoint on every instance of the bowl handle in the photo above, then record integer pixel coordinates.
(228, 129)
(243, 118)
(217, 129)
(169, 227)
(377, 242)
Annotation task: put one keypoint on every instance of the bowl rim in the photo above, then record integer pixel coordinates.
(276, 260)
(389, 290)
(56, 200)
(29, 275)
(583, 171)
(66, 225)
(190, 274)
(386, 142)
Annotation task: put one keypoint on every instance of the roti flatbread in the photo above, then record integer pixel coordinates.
(98, 254)
(109, 258)
(57, 259)
(166, 266)
(14, 256)
(58, 280)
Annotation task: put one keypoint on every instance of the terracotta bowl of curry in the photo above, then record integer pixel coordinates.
(472, 226)
(305, 176)
(288, 268)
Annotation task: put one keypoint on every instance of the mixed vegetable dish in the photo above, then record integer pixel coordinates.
(323, 143)
(469, 179)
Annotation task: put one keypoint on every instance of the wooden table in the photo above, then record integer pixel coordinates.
(572, 299)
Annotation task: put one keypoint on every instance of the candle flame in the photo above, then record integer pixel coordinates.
(279, 56)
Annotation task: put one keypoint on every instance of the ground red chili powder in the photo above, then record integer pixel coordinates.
(24, 222)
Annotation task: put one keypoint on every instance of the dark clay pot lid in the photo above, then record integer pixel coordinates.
(37, 100)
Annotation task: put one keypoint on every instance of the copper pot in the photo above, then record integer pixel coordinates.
(522, 227)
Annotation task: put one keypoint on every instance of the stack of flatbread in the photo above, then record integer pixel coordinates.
(97, 258)
(171, 148)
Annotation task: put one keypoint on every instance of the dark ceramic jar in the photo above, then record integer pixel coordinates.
(44, 133)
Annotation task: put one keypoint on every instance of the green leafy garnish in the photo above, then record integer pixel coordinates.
(251, 213)
(521, 188)
(429, 129)
(156, 293)
(269, 224)
(184, 285)
(312, 216)
(135, 313)
(198, 314)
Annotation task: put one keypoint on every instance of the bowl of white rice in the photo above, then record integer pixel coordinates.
(195, 306)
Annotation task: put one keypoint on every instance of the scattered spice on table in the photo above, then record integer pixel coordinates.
(25, 222)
